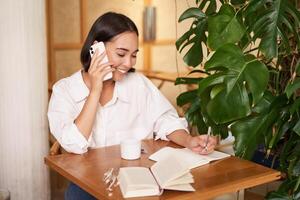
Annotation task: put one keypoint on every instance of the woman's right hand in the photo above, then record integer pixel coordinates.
(98, 70)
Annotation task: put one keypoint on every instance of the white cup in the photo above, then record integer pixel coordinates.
(130, 149)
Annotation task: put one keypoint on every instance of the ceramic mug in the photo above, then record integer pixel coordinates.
(130, 149)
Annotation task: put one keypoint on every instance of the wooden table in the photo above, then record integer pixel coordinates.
(217, 178)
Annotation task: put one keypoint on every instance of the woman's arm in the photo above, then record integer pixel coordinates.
(95, 75)
(202, 144)
(86, 118)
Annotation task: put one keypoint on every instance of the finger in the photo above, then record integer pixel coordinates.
(213, 140)
(211, 145)
(100, 58)
(202, 140)
(96, 60)
(102, 67)
(198, 149)
(106, 71)
(210, 149)
(206, 151)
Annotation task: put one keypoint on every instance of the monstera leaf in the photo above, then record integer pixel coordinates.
(270, 20)
(225, 108)
(292, 87)
(194, 36)
(242, 70)
(224, 28)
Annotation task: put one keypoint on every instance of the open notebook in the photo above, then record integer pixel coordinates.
(143, 181)
(187, 157)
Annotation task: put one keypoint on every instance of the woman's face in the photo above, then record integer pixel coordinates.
(122, 51)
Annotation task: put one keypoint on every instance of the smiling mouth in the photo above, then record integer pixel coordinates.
(122, 70)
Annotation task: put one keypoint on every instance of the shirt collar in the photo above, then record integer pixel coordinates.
(122, 92)
(78, 90)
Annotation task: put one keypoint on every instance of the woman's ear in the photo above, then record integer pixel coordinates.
(95, 42)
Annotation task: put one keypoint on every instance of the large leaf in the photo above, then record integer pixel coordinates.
(270, 20)
(211, 80)
(187, 80)
(264, 104)
(250, 131)
(226, 108)
(282, 126)
(247, 136)
(224, 28)
(194, 55)
(186, 97)
(283, 193)
(193, 39)
(297, 128)
(191, 13)
(279, 196)
(292, 87)
(195, 117)
(229, 56)
(252, 72)
(183, 38)
(295, 107)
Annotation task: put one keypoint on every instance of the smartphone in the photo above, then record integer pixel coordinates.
(101, 48)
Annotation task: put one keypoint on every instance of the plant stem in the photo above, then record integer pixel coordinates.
(251, 50)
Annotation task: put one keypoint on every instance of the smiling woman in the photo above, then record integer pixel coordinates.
(86, 111)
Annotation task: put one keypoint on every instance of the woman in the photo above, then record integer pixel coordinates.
(87, 112)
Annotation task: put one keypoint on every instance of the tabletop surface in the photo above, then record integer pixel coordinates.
(219, 177)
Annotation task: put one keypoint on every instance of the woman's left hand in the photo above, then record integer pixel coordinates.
(202, 144)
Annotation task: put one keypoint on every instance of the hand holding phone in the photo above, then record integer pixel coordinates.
(101, 48)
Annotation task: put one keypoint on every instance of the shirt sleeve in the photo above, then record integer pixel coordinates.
(61, 116)
(164, 117)
(167, 123)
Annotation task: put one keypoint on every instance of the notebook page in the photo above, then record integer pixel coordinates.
(181, 187)
(185, 179)
(164, 173)
(188, 157)
(217, 155)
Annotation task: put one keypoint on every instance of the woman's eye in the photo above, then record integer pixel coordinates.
(134, 56)
(121, 55)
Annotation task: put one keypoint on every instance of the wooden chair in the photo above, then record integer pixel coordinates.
(55, 147)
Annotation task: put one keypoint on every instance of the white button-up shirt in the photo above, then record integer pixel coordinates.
(136, 110)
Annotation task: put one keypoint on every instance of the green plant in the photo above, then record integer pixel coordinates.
(252, 82)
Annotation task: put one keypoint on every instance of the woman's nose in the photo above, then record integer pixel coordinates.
(128, 62)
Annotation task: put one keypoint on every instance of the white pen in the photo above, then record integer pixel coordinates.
(207, 138)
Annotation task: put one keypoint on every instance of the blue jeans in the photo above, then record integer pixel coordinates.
(74, 192)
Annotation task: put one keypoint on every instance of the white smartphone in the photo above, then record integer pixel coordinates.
(101, 48)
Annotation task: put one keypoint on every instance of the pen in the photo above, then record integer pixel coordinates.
(207, 138)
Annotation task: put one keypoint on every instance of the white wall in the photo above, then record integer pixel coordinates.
(23, 99)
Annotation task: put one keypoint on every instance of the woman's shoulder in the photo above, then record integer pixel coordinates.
(67, 82)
